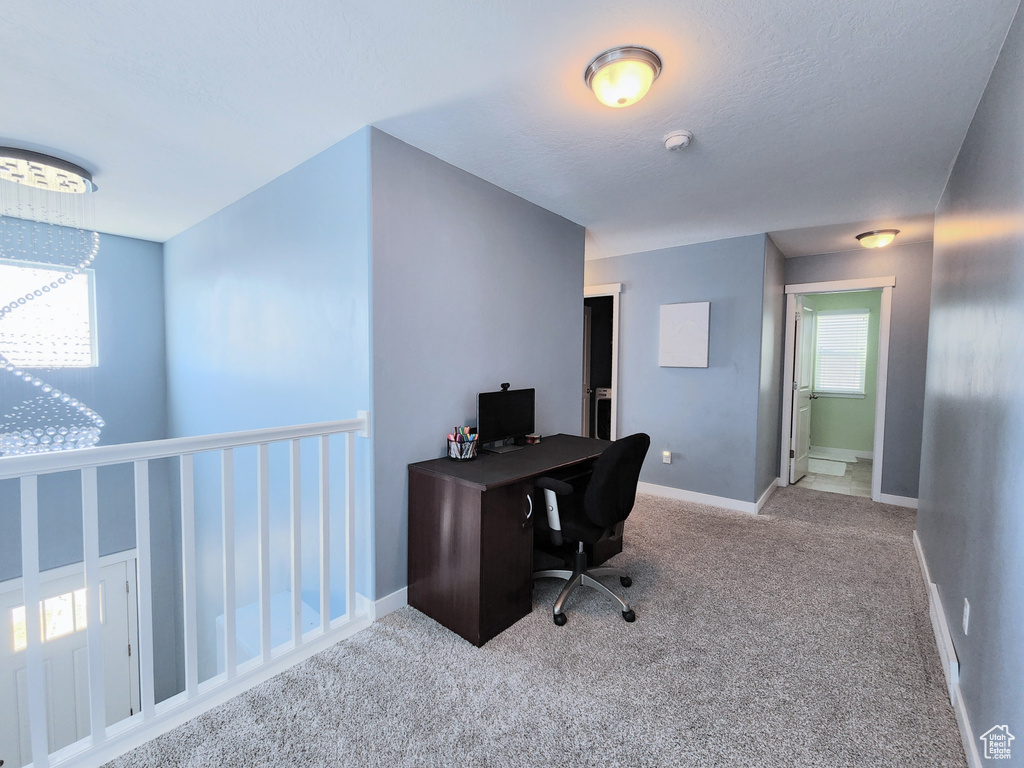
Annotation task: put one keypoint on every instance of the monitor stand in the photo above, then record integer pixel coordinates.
(498, 448)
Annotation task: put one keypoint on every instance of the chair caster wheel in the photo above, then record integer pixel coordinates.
(629, 616)
(560, 619)
(625, 581)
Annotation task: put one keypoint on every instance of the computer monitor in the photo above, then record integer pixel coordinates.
(504, 415)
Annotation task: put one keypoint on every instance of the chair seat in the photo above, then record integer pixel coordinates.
(586, 509)
(575, 525)
(576, 529)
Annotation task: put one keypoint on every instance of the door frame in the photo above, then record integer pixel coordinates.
(801, 314)
(613, 290)
(130, 558)
(886, 285)
(585, 398)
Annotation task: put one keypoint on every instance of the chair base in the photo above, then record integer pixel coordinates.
(581, 576)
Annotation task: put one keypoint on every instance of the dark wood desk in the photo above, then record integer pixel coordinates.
(471, 533)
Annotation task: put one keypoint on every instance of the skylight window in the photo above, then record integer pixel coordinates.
(56, 328)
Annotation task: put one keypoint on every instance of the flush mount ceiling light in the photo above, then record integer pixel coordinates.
(878, 238)
(33, 169)
(622, 76)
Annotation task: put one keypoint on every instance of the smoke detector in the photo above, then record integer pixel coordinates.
(678, 140)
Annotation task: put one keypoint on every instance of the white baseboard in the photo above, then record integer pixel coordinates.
(966, 734)
(841, 454)
(768, 493)
(898, 501)
(950, 663)
(389, 603)
(679, 494)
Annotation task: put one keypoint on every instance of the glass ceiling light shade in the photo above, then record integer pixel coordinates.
(878, 238)
(45, 219)
(622, 76)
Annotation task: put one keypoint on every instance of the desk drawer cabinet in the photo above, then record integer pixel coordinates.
(470, 553)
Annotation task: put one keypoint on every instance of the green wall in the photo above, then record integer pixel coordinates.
(845, 422)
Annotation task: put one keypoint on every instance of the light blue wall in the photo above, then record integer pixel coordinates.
(268, 325)
(707, 417)
(971, 515)
(908, 344)
(127, 388)
(472, 287)
(773, 339)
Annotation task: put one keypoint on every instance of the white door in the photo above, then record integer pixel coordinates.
(65, 661)
(803, 391)
(585, 432)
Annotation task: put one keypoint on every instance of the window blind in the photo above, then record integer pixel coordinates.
(841, 352)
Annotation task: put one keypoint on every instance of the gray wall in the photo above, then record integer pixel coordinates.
(773, 340)
(472, 287)
(707, 417)
(908, 344)
(971, 516)
(268, 325)
(128, 389)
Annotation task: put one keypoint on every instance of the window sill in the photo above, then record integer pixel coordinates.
(841, 395)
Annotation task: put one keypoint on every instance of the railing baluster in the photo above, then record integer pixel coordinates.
(325, 533)
(145, 591)
(227, 482)
(350, 526)
(36, 677)
(296, 512)
(263, 504)
(108, 739)
(188, 573)
(94, 629)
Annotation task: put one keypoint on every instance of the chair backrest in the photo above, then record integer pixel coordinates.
(611, 493)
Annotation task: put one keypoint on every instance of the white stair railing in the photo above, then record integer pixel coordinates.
(106, 742)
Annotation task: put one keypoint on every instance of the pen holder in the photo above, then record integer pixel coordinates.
(461, 451)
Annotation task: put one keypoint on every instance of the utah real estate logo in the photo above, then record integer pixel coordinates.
(997, 742)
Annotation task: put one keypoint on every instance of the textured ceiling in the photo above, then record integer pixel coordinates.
(806, 112)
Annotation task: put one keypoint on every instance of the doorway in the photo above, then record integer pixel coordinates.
(599, 400)
(836, 363)
(65, 657)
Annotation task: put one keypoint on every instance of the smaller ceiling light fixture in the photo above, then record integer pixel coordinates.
(622, 76)
(878, 238)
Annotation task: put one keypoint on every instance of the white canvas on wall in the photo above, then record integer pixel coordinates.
(683, 342)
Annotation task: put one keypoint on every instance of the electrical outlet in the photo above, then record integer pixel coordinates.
(666, 457)
(967, 614)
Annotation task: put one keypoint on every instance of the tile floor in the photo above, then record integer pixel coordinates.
(856, 481)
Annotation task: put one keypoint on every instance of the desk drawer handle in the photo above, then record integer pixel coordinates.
(529, 511)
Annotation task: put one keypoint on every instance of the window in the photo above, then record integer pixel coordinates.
(53, 329)
(841, 352)
(59, 615)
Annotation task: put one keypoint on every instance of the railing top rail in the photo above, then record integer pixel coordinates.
(105, 455)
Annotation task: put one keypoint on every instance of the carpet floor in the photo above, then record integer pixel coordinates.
(799, 637)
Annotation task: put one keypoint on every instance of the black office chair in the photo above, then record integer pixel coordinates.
(589, 514)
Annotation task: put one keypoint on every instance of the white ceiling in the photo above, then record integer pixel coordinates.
(806, 112)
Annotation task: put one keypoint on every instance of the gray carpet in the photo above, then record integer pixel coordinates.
(795, 638)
